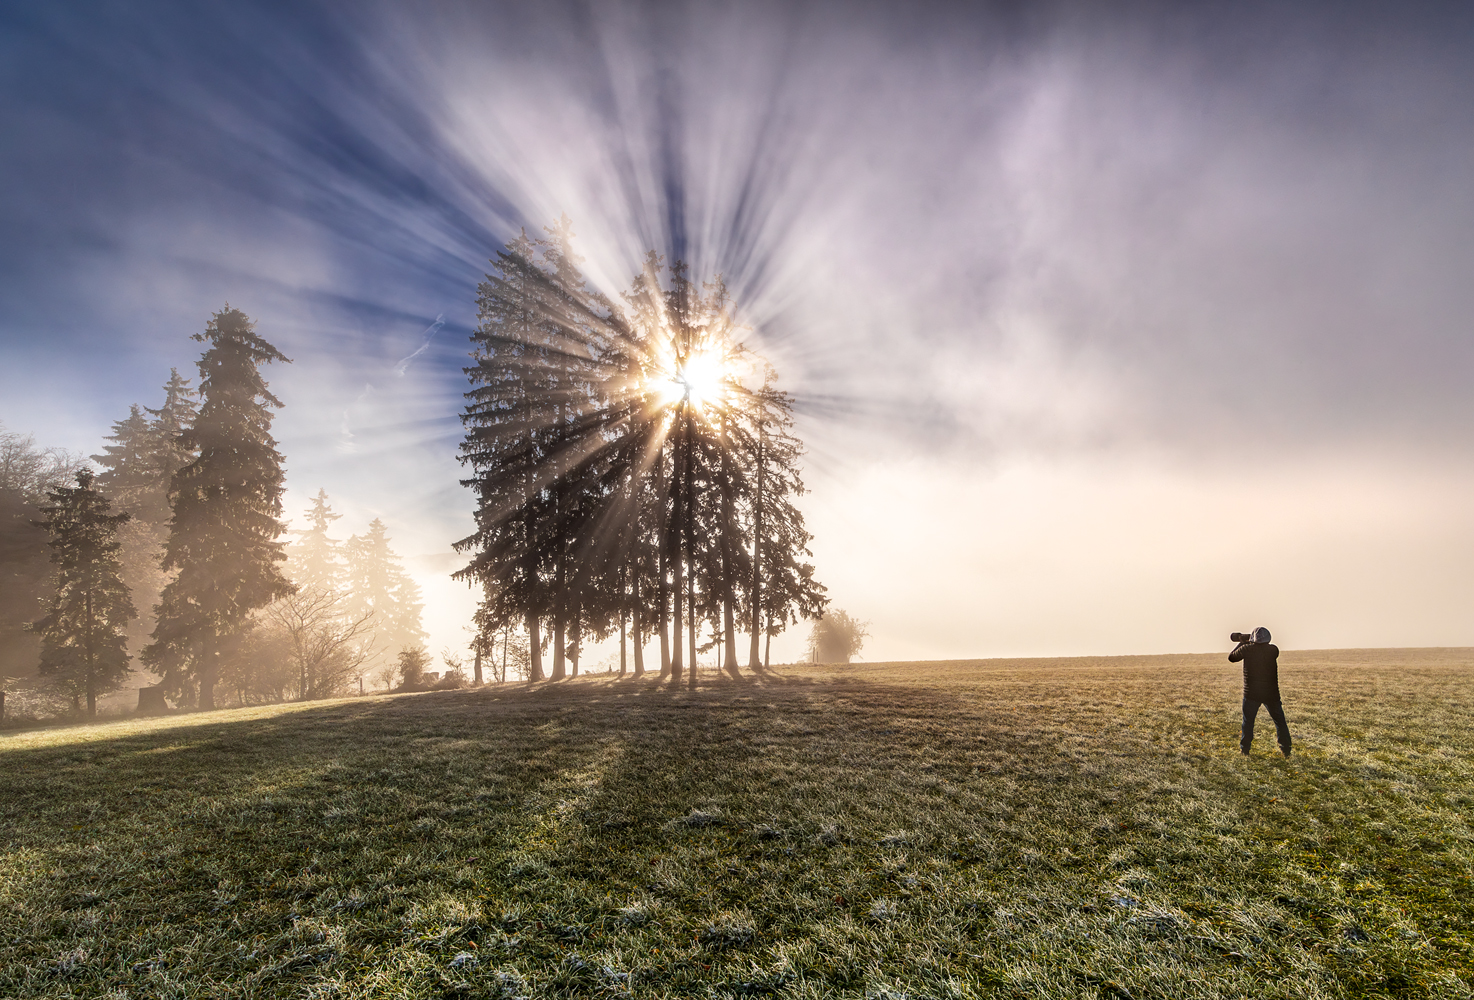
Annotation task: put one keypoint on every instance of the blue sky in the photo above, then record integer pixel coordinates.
(1112, 330)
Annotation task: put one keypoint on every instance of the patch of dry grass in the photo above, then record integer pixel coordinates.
(1065, 828)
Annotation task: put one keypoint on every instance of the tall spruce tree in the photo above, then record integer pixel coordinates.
(27, 472)
(83, 644)
(378, 583)
(137, 469)
(316, 560)
(226, 506)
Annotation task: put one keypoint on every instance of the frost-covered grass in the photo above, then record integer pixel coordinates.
(1048, 828)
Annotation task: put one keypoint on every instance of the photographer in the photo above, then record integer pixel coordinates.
(1261, 685)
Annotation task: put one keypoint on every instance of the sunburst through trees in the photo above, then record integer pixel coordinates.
(635, 468)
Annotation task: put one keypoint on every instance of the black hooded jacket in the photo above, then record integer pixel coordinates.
(1261, 669)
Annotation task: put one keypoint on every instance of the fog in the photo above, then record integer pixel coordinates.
(1110, 332)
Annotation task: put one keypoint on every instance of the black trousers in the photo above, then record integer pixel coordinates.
(1276, 712)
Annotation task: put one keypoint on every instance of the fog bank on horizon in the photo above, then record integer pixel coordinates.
(1111, 332)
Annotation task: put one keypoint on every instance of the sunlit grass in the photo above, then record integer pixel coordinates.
(1080, 828)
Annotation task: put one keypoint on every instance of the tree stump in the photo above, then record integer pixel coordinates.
(151, 701)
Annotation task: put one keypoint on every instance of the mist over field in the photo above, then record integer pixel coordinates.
(1109, 331)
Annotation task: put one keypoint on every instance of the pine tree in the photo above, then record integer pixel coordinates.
(83, 645)
(138, 467)
(170, 452)
(781, 588)
(226, 506)
(126, 463)
(27, 473)
(624, 474)
(378, 582)
(315, 560)
(129, 479)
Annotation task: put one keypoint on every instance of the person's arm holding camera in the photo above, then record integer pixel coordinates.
(1244, 641)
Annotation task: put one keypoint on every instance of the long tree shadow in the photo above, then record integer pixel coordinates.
(720, 822)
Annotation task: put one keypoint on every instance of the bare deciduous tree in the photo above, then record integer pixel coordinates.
(327, 640)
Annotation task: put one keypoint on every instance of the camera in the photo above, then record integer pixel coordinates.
(1240, 637)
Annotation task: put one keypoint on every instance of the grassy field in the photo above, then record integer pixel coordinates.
(1045, 828)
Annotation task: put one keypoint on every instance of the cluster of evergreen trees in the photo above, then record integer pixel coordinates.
(635, 468)
(355, 611)
(197, 543)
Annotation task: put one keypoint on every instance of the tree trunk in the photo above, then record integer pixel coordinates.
(768, 648)
(757, 559)
(691, 614)
(622, 650)
(675, 653)
(560, 667)
(678, 514)
(662, 542)
(209, 670)
(729, 531)
(575, 631)
(639, 633)
(729, 642)
(662, 617)
(535, 656)
(477, 667)
(91, 662)
(664, 630)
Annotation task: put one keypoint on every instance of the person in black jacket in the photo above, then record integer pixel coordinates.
(1261, 685)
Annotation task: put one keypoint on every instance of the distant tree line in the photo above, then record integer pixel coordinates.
(635, 470)
(185, 520)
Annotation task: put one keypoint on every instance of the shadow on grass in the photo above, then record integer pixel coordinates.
(1040, 830)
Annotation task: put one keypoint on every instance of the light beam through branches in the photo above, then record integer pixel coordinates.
(634, 463)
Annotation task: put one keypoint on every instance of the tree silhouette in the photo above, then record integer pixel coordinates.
(83, 644)
(226, 514)
(621, 459)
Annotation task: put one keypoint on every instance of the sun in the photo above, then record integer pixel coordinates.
(699, 379)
